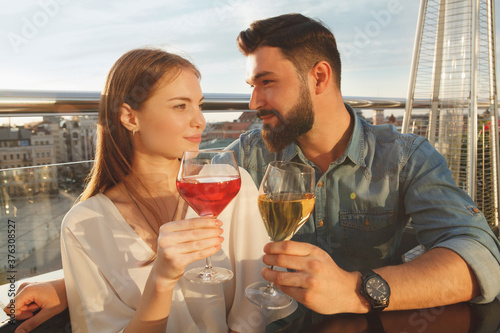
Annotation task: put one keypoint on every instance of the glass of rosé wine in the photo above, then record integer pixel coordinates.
(208, 180)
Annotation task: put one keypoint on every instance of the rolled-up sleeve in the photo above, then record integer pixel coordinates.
(443, 215)
(482, 262)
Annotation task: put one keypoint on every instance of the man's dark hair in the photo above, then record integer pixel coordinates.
(302, 40)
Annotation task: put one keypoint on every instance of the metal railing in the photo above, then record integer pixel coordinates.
(39, 103)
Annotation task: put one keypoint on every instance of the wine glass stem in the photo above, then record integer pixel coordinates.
(270, 286)
(208, 260)
(208, 263)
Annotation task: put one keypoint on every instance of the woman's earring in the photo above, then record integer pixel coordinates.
(133, 131)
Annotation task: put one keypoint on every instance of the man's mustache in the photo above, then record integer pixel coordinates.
(266, 112)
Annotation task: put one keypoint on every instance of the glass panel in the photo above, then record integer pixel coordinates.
(33, 202)
(43, 165)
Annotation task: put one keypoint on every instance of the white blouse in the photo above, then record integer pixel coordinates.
(102, 260)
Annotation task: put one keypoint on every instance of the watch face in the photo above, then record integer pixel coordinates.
(377, 289)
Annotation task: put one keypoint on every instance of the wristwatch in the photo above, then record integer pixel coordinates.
(375, 289)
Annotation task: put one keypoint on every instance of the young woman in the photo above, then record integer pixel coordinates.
(126, 244)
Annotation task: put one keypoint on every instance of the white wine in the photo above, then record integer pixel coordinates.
(286, 200)
(284, 214)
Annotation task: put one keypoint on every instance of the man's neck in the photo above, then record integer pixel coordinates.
(329, 137)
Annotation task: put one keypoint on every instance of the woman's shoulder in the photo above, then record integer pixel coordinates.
(92, 207)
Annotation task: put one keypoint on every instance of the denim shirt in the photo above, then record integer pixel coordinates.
(367, 197)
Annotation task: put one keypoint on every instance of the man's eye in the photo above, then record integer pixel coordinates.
(266, 82)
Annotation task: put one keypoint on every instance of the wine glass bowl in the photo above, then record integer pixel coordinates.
(208, 180)
(286, 200)
(284, 214)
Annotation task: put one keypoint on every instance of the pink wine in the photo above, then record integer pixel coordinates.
(208, 195)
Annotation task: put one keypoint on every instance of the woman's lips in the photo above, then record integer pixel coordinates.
(194, 138)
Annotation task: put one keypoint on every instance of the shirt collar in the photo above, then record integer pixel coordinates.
(290, 151)
(354, 148)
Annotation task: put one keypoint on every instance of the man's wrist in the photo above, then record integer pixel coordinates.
(375, 290)
(361, 305)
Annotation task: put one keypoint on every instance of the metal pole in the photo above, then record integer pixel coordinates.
(436, 75)
(413, 73)
(472, 151)
(494, 137)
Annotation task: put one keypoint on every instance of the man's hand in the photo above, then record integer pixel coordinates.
(318, 283)
(48, 297)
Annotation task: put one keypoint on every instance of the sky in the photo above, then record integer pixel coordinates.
(70, 45)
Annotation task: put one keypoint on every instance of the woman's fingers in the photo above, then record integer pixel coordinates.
(169, 238)
(183, 242)
(191, 224)
(195, 234)
(175, 258)
(173, 249)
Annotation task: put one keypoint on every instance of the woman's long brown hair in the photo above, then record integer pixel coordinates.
(132, 80)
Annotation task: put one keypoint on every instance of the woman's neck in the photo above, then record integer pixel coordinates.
(148, 197)
(154, 178)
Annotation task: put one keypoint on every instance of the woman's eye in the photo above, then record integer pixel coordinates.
(180, 106)
(201, 106)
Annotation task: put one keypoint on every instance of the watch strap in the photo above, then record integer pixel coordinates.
(374, 322)
(367, 273)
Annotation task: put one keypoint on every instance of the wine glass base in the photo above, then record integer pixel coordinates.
(212, 275)
(267, 298)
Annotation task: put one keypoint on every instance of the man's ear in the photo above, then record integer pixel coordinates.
(322, 76)
(128, 118)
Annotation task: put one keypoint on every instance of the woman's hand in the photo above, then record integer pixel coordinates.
(49, 297)
(183, 242)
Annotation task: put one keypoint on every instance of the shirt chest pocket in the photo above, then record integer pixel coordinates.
(368, 236)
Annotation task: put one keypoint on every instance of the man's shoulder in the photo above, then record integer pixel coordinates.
(388, 133)
(386, 150)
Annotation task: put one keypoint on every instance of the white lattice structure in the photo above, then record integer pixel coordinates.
(453, 70)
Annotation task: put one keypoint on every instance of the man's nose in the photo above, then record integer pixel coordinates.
(255, 100)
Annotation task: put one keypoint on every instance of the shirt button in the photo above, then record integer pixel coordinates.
(367, 222)
(320, 184)
(475, 210)
(321, 223)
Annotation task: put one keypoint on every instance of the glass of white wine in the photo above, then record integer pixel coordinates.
(286, 200)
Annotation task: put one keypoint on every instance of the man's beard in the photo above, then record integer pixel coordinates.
(299, 121)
